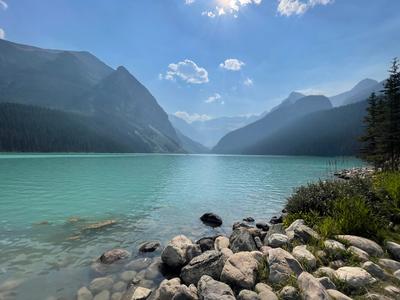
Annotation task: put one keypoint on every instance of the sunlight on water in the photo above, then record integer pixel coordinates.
(48, 201)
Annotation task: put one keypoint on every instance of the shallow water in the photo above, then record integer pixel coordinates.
(47, 200)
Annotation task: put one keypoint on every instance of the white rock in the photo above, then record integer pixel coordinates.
(354, 277)
(305, 257)
(240, 270)
(221, 242)
(175, 254)
(359, 253)
(168, 288)
(282, 265)
(390, 264)
(210, 289)
(334, 248)
(311, 288)
(141, 293)
(336, 295)
(367, 245)
(277, 240)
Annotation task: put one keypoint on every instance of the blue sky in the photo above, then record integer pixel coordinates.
(210, 58)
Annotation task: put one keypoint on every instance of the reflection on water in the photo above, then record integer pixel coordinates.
(47, 203)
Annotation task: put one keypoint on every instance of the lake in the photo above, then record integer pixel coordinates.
(47, 202)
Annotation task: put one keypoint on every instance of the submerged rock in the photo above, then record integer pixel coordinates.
(100, 225)
(99, 284)
(114, 255)
(84, 294)
(103, 295)
(211, 219)
(150, 246)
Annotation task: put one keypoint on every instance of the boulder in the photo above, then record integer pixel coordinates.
(209, 263)
(311, 288)
(211, 219)
(210, 289)
(262, 225)
(259, 243)
(168, 288)
(336, 295)
(334, 248)
(389, 264)
(327, 283)
(397, 274)
(374, 270)
(394, 249)
(298, 230)
(84, 294)
(305, 257)
(237, 225)
(178, 252)
(221, 242)
(141, 293)
(99, 284)
(247, 295)
(262, 287)
(282, 265)
(186, 293)
(354, 277)
(267, 295)
(392, 290)
(242, 240)
(277, 240)
(325, 271)
(289, 293)
(359, 253)
(103, 295)
(226, 253)
(114, 255)
(150, 246)
(240, 270)
(206, 243)
(367, 245)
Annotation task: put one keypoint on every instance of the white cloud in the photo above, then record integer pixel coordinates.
(190, 118)
(187, 71)
(215, 98)
(229, 7)
(248, 82)
(299, 7)
(3, 4)
(188, 2)
(2, 34)
(232, 64)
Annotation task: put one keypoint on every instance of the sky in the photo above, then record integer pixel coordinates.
(208, 58)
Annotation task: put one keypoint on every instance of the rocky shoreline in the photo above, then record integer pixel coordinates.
(348, 174)
(258, 261)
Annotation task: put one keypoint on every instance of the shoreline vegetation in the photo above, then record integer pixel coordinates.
(335, 239)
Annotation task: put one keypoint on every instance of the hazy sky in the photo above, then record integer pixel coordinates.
(220, 57)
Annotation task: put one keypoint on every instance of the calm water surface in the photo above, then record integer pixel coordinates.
(47, 200)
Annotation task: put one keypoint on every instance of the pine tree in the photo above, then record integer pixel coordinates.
(390, 143)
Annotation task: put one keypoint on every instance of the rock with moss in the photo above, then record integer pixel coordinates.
(248, 295)
(327, 283)
(300, 231)
(289, 293)
(358, 253)
(334, 248)
(374, 270)
(394, 249)
(389, 264)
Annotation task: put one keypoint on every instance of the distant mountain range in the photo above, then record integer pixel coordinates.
(70, 101)
(80, 86)
(209, 132)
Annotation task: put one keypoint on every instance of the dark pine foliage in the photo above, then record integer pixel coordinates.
(25, 128)
(381, 141)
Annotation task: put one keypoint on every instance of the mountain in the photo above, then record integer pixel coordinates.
(236, 141)
(360, 92)
(191, 146)
(211, 131)
(79, 83)
(333, 132)
(293, 97)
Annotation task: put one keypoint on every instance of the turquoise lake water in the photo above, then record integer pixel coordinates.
(46, 201)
